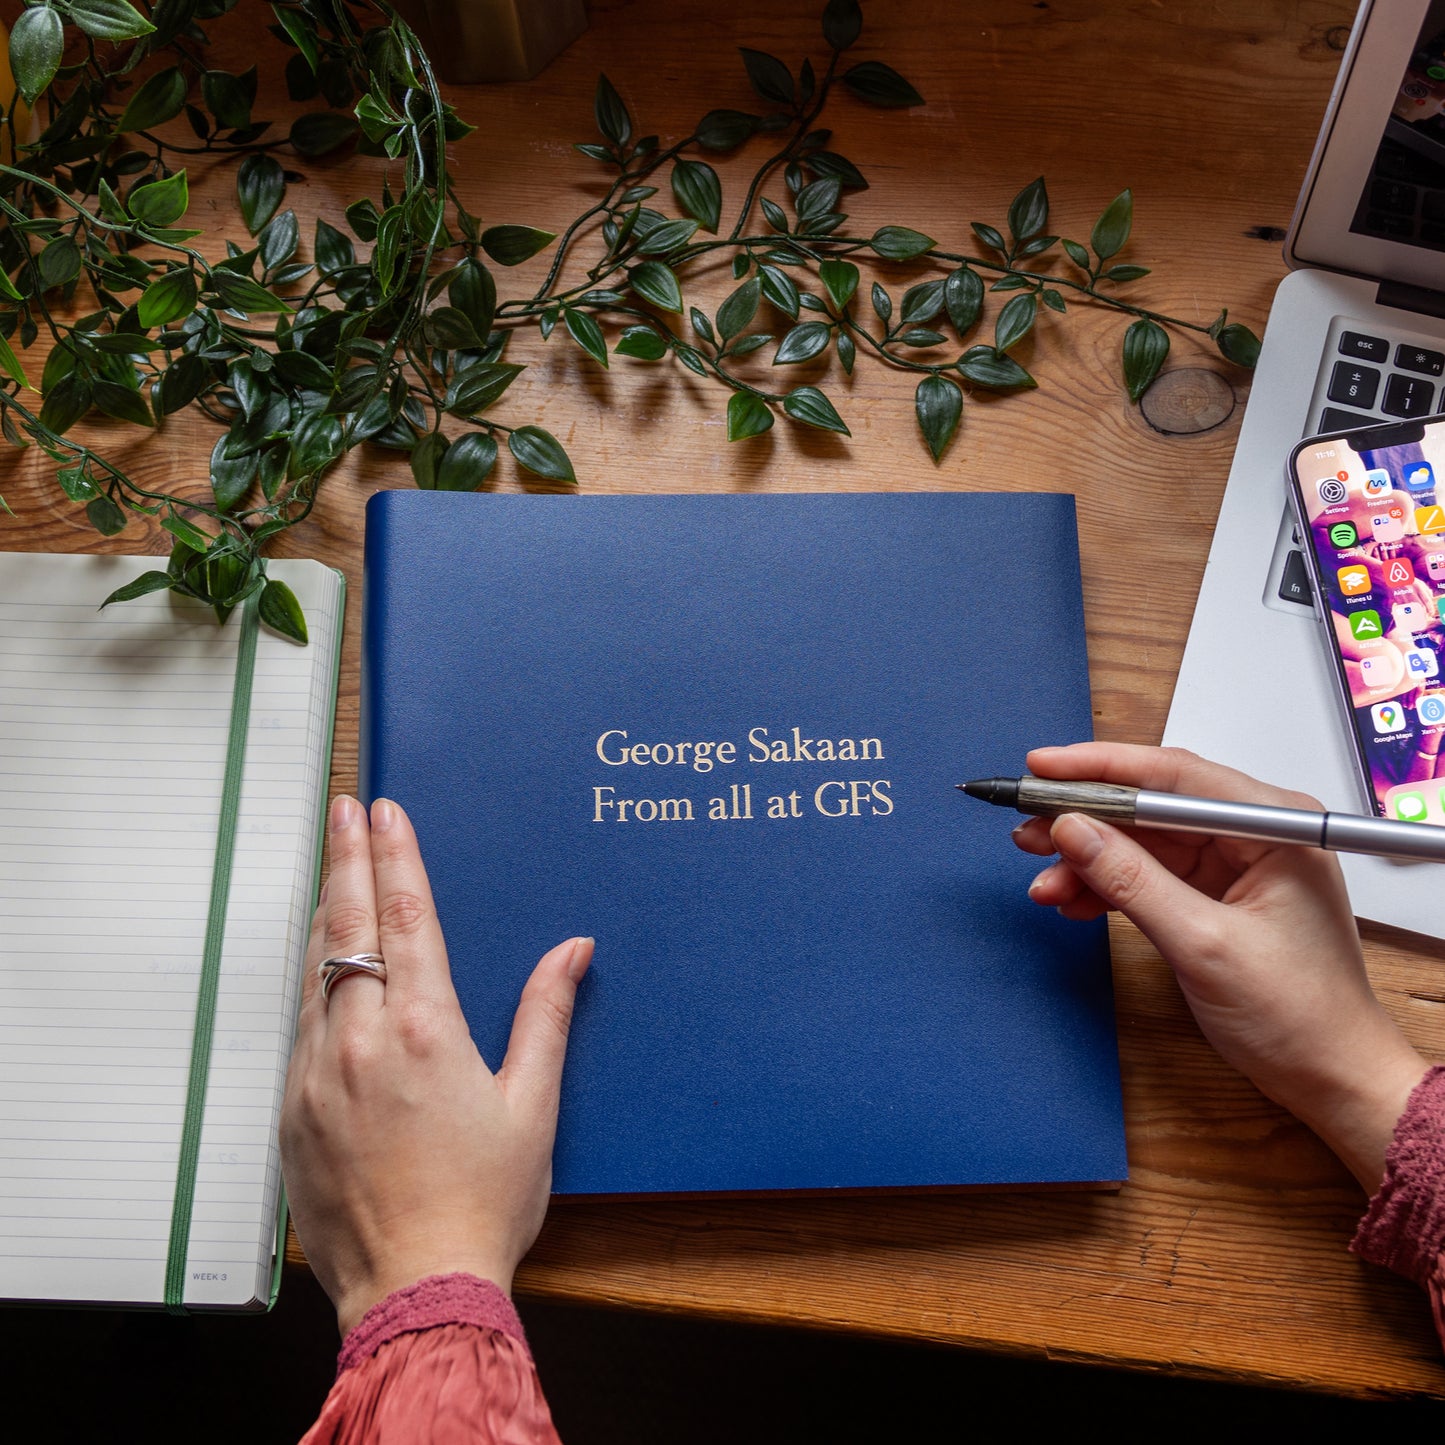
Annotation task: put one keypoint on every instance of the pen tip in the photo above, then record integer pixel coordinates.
(1003, 791)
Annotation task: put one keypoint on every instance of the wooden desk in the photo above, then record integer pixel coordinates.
(1225, 1254)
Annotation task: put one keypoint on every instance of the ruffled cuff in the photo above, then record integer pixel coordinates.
(1404, 1227)
(440, 1299)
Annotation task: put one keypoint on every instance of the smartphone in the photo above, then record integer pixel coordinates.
(1371, 512)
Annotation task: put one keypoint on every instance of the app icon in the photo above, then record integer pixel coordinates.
(1353, 580)
(1435, 566)
(1431, 709)
(1365, 625)
(1419, 476)
(1429, 519)
(1388, 526)
(1399, 572)
(1421, 663)
(1332, 491)
(1411, 617)
(1382, 669)
(1409, 807)
(1343, 534)
(1377, 482)
(1388, 717)
(1440, 608)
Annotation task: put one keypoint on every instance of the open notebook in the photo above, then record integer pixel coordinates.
(114, 736)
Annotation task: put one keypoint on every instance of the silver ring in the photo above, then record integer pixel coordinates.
(331, 969)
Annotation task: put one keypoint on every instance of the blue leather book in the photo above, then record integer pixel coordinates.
(721, 734)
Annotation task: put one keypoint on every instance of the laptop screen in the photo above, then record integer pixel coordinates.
(1403, 198)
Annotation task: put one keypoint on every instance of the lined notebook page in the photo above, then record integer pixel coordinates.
(113, 730)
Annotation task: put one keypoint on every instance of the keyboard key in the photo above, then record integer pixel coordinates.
(1294, 586)
(1334, 419)
(1394, 196)
(1416, 358)
(1365, 348)
(1408, 396)
(1354, 385)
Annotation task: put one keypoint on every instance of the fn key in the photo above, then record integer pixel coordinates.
(1294, 586)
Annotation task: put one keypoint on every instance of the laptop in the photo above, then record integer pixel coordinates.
(1356, 337)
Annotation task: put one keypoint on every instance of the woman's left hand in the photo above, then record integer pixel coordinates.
(404, 1155)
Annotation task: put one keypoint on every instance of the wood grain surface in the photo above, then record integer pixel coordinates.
(1225, 1254)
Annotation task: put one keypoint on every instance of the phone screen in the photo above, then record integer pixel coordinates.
(1376, 539)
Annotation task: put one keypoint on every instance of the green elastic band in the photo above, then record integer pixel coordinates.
(185, 1196)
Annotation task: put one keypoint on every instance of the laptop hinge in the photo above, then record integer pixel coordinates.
(1411, 298)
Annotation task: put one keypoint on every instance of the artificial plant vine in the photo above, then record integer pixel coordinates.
(298, 360)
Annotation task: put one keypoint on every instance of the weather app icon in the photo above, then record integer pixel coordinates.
(1419, 476)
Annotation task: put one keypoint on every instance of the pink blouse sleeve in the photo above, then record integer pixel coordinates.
(443, 1361)
(1404, 1228)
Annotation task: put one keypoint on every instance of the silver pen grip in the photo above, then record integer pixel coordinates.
(1230, 820)
(1389, 839)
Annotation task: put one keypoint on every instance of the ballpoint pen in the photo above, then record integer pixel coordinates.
(1339, 832)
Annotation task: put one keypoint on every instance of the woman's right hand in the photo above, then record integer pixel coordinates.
(1260, 936)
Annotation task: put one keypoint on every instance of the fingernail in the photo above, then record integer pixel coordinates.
(343, 810)
(1038, 881)
(1078, 837)
(580, 957)
(383, 815)
(325, 889)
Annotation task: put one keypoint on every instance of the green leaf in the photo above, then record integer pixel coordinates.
(667, 237)
(840, 281)
(10, 363)
(803, 342)
(333, 249)
(612, 117)
(75, 484)
(808, 404)
(58, 263)
(847, 351)
(320, 132)
(511, 245)
(1111, 230)
(1238, 344)
(1125, 273)
(898, 243)
(227, 99)
(477, 386)
(769, 76)
(722, 130)
(426, 457)
(698, 192)
(388, 241)
(701, 324)
(65, 403)
(738, 310)
(748, 416)
(990, 237)
(880, 84)
(830, 163)
(36, 44)
(315, 444)
(190, 534)
(586, 333)
(474, 293)
(780, 289)
(817, 199)
(1078, 255)
(842, 20)
(655, 282)
(109, 20)
(1146, 344)
(1028, 213)
(142, 586)
(963, 299)
(122, 403)
(1052, 299)
(1014, 322)
(158, 203)
(105, 516)
(281, 612)
(641, 342)
(938, 403)
(921, 303)
(986, 367)
(260, 184)
(160, 99)
(450, 329)
(775, 215)
(300, 31)
(541, 453)
(241, 293)
(467, 463)
(230, 476)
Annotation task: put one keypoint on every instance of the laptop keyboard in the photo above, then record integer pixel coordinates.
(1367, 377)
